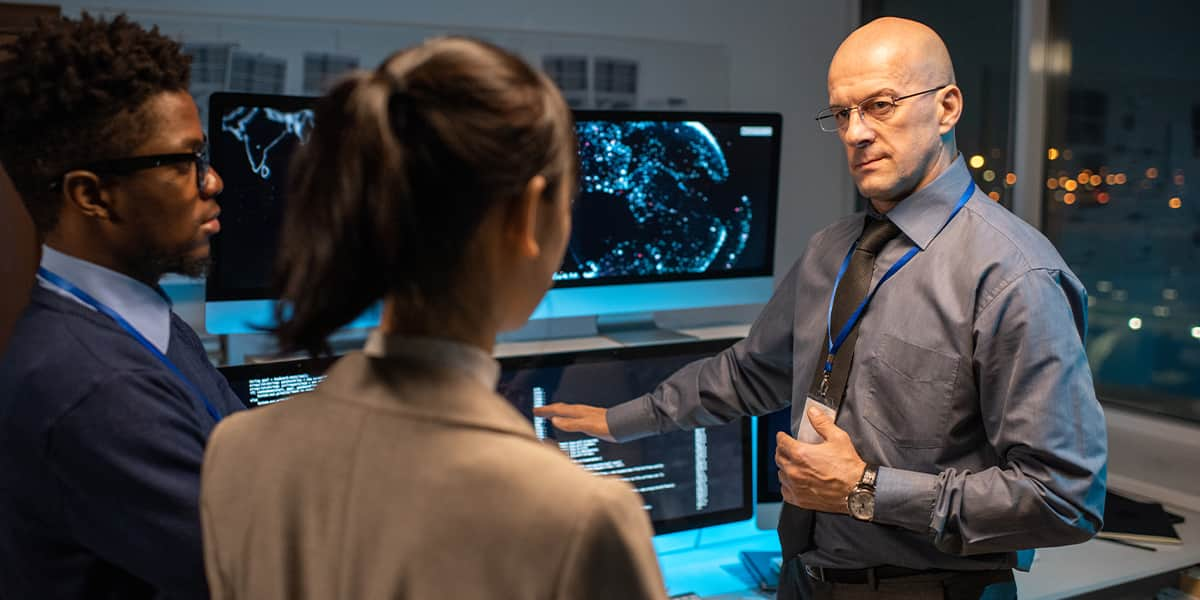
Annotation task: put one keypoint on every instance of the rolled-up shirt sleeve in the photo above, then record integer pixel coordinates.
(752, 377)
(1043, 421)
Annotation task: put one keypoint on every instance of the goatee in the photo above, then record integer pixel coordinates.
(156, 267)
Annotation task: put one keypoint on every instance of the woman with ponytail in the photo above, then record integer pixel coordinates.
(441, 183)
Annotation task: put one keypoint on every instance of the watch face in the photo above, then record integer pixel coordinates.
(862, 505)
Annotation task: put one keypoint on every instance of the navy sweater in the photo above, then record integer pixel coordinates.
(100, 450)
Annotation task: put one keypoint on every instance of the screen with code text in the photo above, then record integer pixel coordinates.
(687, 479)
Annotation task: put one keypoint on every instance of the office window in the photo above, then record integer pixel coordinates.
(210, 72)
(210, 63)
(980, 36)
(321, 70)
(616, 83)
(257, 73)
(570, 73)
(1196, 131)
(1121, 161)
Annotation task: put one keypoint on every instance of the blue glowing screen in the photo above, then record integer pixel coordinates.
(684, 198)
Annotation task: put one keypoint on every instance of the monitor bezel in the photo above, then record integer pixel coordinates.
(749, 119)
(708, 347)
(216, 290)
(767, 470)
(275, 369)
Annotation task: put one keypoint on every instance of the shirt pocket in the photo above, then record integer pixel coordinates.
(909, 394)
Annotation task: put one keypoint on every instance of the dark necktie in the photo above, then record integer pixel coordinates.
(796, 525)
(855, 286)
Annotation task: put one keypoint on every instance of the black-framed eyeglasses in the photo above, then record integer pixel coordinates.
(125, 166)
(879, 108)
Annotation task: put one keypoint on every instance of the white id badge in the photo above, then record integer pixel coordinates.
(807, 434)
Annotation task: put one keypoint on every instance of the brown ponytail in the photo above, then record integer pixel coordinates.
(402, 166)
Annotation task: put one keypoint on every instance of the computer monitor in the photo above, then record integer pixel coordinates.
(260, 384)
(770, 494)
(252, 138)
(687, 479)
(676, 210)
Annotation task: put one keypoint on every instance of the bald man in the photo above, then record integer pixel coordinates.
(932, 354)
(18, 257)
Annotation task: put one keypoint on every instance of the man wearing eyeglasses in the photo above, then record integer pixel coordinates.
(931, 351)
(106, 396)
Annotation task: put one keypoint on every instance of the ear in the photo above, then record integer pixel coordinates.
(528, 216)
(86, 193)
(950, 109)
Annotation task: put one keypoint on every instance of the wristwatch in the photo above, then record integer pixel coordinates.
(861, 500)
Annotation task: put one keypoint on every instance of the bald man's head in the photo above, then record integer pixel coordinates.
(904, 67)
(913, 51)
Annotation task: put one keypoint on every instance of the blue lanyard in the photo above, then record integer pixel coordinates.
(70, 288)
(836, 344)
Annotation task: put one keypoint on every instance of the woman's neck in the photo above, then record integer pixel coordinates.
(458, 328)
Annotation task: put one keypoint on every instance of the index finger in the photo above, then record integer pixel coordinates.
(561, 409)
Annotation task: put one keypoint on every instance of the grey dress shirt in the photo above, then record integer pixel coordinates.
(969, 386)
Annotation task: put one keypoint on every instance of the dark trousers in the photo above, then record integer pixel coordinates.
(795, 584)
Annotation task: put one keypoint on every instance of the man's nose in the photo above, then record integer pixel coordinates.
(213, 184)
(858, 131)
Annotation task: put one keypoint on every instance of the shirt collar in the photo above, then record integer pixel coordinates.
(144, 307)
(472, 361)
(922, 215)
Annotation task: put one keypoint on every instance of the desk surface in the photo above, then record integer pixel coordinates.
(1098, 564)
(714, 571)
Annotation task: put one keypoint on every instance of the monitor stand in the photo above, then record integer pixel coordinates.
(636, 329)
(766, 515)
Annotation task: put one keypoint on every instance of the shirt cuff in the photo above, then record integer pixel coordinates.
(632, 420)
(905, 498)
